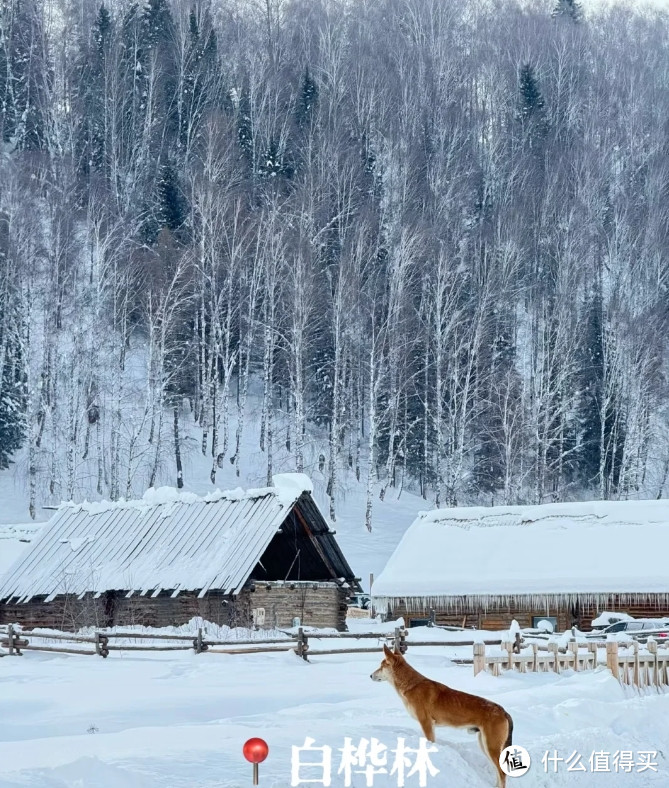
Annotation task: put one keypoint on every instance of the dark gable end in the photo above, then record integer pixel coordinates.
(305, 549)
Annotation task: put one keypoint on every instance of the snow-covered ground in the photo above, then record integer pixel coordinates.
(180, 720)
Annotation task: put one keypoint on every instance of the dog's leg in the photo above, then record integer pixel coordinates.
(427, 724)
(493, 740)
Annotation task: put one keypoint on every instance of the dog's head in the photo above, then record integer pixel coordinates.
(385, 670)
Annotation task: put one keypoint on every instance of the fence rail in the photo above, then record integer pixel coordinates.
(18, 641)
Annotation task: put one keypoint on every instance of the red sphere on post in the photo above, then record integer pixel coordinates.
(255, 750)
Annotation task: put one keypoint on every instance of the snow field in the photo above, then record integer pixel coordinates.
(180, 720)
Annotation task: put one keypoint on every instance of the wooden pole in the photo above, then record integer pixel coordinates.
(652, 650)
(553, 648)
(302, 644)
(573, 648)
(372, 612)
(535, 658)
(10, 639)
(479, 658)
(636, 679)
(592, 655)
(612, 658)
(508, 646)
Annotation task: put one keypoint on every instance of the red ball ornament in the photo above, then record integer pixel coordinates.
(255, 751)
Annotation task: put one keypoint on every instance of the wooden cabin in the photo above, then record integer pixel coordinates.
(565, 563)
(262, 557)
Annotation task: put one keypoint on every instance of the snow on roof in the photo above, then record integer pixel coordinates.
(14, 540)
(568, 549)
(167, 540)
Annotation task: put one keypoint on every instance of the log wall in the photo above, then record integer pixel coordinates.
(500, 617)
(315, 604)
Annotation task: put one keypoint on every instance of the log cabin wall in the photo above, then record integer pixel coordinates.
(69, 614)
(316, 604)
(500, 617)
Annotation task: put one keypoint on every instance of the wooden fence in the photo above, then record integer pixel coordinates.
(101, 643)
(626, 661)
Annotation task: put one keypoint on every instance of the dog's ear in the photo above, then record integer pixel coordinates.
(387, 651)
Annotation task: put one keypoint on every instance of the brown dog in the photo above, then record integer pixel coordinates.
(432, 703)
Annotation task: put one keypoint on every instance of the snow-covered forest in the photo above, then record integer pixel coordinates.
(427, 240)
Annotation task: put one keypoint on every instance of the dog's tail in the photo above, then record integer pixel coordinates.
(510, 734)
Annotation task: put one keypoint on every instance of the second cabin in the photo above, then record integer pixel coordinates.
(561, 563)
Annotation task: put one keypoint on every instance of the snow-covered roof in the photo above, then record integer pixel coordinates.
(14, 540)
(168, 540)
(470, 557)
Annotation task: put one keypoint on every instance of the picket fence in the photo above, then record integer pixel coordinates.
(627, 661)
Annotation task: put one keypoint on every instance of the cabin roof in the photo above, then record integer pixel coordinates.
(469, 557)
(168, 541)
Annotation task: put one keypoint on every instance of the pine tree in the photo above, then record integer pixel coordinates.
(592, 370)
(26, 77)
(202, 68)
(532, 110)
(172, 210)
(90, 97)
(308, 99)
(159, 37)
(568, 9)
(245, 127)
(12, 400)
(273, 163)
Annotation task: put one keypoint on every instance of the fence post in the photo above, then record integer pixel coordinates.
(535, 658)
(592, 655)
(302, 644)
(397, 641)
(372, 612)
(553, 648)
(97, 643)
(652, 649)
(403, 641)
(509, 653)
(10, 639)
(636, 678)
(573, 647)
(479, 658)
(612, 658)
(516, 643)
